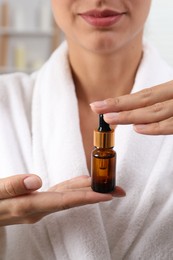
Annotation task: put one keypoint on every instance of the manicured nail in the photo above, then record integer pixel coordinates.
(119, 195)
(32, 183)
(139, 127)
(99, 104)
(111, 116)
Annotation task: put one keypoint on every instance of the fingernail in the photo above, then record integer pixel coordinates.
(122, 195)
(111, 116)
(139, 127)
(118, 197)
(99, 104)
(32, 183)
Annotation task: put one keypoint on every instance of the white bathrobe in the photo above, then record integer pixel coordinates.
(40, 133)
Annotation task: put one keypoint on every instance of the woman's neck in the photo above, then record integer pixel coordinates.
(101, 76)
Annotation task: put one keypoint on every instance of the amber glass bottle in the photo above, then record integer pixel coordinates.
(103, 159)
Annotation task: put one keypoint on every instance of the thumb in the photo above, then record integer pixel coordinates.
(18, 185)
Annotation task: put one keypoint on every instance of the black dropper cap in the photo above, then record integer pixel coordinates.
(103, 126)
(104, 135)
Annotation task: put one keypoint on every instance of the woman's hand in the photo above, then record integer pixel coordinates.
(149, 110)
(20, 203)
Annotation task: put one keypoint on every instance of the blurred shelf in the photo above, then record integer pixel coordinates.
(26, 33)
(6, 70)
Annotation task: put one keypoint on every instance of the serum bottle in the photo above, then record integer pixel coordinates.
(103, 159)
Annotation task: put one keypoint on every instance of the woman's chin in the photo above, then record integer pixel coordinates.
(101, 46)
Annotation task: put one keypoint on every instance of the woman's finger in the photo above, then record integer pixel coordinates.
(164, 127)
(143, 98)
(151, 114)
(32, 207)
(82, 183)
(118, 192)
(56, 201)
(74, 183)
(18, 185)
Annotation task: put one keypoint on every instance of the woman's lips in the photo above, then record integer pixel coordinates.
(104, 18)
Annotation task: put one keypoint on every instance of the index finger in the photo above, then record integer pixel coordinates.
(142, 98)
(57, 201)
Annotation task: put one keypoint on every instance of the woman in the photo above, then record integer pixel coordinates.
(47, 127)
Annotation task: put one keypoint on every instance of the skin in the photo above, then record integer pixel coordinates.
(20, 203)
(149, 110)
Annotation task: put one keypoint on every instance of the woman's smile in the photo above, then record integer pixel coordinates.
(103, 18)
(101, 26)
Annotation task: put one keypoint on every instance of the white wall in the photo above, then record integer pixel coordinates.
(159, 29)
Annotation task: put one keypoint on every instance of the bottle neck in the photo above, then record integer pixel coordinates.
(103, 148)
(104, 139)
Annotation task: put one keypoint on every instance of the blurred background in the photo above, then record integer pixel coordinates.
(159, 28)
(28, 34)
